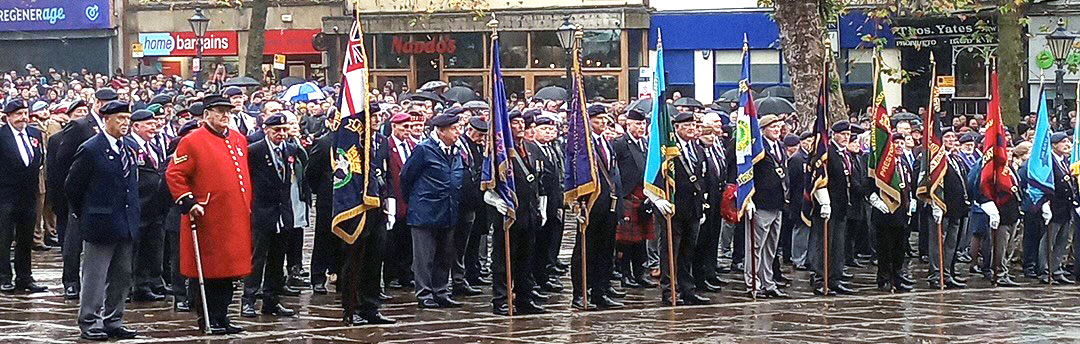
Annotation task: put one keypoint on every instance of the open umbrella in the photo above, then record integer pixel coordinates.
(242, 81)
(732, 95)
(904, 116)
(304, 92)
(689, 102)
(551, 93)
(289, 81)
(461, 94)
(779, 91)
(774, 106)
(646, 105)
(433, 85)
(425, 95)
(722, 106)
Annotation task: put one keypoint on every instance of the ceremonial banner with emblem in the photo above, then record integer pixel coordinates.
(1040, 174)
(933, 164)
(580, 171)
(995, 179)
(662, 145)
(881, 162)
(748, 149)
(497, 174)
(817, 176)
(353, 193)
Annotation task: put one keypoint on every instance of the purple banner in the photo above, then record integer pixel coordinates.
(37, 15)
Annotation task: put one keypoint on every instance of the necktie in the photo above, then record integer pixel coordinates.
(125, 160)
(149, 147)
(279, 162)
(603, 151)
(26, 146)
(405, 149)
(847, 160)
(690, 152)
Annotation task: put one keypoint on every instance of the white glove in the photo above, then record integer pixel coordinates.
(751, 208)
(391, 213)
(938, 213)
(991, 210)
(702, 221)
(1046, 213)
(826, 211)
(665, 207)
(877, 203)
(543, 210)
(822, 197)
(911, 209)
(1077, 211)
(492, 198)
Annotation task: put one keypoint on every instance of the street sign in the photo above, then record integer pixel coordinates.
(196, 66)
(137, 50)
(645, 85)
(279, 62)
(946, 84)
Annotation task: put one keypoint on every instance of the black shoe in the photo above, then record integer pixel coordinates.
(288, 291)
(959, 279)
(975, 269)
(666, 301)
(394, 284)
(884, 286)
(1030, 274)
(781, 284)
(549, 287)
(428, 303)
(907, 280)
(71, 293)
(615, 275)
(1043, 280)
(121, 333)
(376, 318)
(576, 304)
(501, 309)
(51, 241)
(30, 287)
(904, 287)
(802, 268)
(776, 293)
(694, 299)
(94, 334)
(1006, 281)
(821, 292)
(615, 293)
(952, 283)
(278, 310)
(846, 275)
(354, 320)
(707, 287)
(146, 296)
(630, 283)
(448, 303)
(41, 248)
(780, 278)
(233, 329)
(606, 302)
(722, 270)
(479, 281)
(247, 309)
(737, 268)
(384, 297)
(964, 258)
(842, 289)
(538, 296)
(319, 288)
(529, 308)
(1061, 279)
(182, 306)
(646, 282)
(855, 264)
(466, 290)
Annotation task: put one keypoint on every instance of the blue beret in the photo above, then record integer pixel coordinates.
(115, 107)
(478, 123)
(841, 126)
(161, 99)
(791, 140)
(196, 108)
(187, 128)
(444, 120)
(141, 115)
(683, 117)
(14, 105)
(275, 120)
(545, 120)
(806, 135)
(233, 91)
(971, 138)
(1057, 137)
(596, 109)
(454, 111)
(514, 114)
(636, 115)
(106, 94)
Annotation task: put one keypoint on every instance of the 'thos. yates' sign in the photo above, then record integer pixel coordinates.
(440, 45)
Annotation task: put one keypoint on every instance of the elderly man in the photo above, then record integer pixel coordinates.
(637, 223)
(432, 179)
(21, 155)
(153, 203)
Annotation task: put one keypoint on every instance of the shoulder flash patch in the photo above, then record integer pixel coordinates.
(179, 159)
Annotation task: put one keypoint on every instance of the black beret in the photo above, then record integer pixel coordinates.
(596, 109)
(14, 105)
(106, 94)
(141, 115)
(444, 120)
(115, 107)
(514, 114)
(806, 135)
(454, 111)
(967, 138)
(275, 120)
(683, 117)
(233, 91)
(1057, 137)
(841, 126)
(531, 113)
(161, 99)
(529, 117)
(478, 123)
(898, 136)
(187, 128)
(856, 130)
(791, 140)
(545, 120)
(196, 109)
(636, 115)
(75, 105)
(215, 100)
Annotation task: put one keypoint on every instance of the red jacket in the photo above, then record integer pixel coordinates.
(214, 171)
(394, 168)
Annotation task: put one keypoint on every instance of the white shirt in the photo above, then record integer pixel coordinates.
(23, 145)
(442, 145)
(112, 143)
(403, 149)
(99, 121)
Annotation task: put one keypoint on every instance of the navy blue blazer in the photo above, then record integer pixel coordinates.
(271, 204)
(20, 182)
(104, 199)
(433, 181)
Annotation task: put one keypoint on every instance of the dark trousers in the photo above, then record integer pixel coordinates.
(950, 231)
(684, 237)
(522, 240)
(327, 248)
(171, 269)
(432, 256)
(72, 253)
(708, 242)
(1034, 226)
(147, 257)
(858, 238)
(17, 224)
(600, 252)
(738, 243)
(787, 227)
(61, 224)
(926, 225)
(360, 273)
(461, 235)
(481, 226)
(554, 229)
(891, 235)
(633, 257)
(294, 248)
(837, 230)
(219, 294)
(267, 259)
(399, 253)
(547, 236)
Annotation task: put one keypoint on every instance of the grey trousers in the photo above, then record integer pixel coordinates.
(800, 238)
(762, 251)
(816, 250)
(433, 250)
(1002, 237)
(1057, 237)
(106, 277)
(951, 232)
(727, 231)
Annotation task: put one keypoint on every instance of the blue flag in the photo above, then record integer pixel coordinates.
(748, 149)
(662, 145)
(1039, 168)
(497, 174)
(579, 167)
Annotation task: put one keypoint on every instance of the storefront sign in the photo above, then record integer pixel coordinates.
(946, 84)
(216, 43)
(645, 84)
(36, 15)
(290, 42)
(279, 62)
(934, 33)
(440, 45)
(137, 50)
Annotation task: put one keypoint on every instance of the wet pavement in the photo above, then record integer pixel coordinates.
(979, 314)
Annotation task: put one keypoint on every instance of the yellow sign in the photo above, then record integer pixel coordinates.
(279, 61)
(946, 81)
(137, 50)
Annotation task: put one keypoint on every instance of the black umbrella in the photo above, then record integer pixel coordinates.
(732, 95)
(689, 102)
(645, 106)
(461, 94)
(433, 85)
(904, 116)
(778, 91)
(425, 95)
(551, 93)
(291, 80)
(242, 81)
(722, 106)
(145, 71)
(774, 106)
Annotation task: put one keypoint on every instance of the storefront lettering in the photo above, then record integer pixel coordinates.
(443, 45)
(219, 43)
(48, 14)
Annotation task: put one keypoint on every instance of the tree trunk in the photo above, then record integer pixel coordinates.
(802, 33)
(256, 39)
(1011, 62)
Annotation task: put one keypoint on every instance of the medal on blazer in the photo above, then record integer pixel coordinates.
(614, 201)
(780, 172)
(34, 142)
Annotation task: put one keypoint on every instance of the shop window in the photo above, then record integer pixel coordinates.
(545, 81)
(476, 83)
(601, 49)
(515, 87)
(858, 67)
(387, 57)
(765, 67)
(468, 50)
(635, 48)
(971, 70)
(513, 49)
(546, 50)
(606, 86)
(728, 66)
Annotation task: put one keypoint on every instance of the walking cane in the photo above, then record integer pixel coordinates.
(825, 253)
(671, 262)
(584, 261)
(941, 254)
(198, 267)
(749, 226)
(509, 275)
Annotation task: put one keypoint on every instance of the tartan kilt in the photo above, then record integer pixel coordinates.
(636, 225)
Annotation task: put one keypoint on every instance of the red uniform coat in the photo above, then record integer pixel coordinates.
(214, 170)
(394, 168)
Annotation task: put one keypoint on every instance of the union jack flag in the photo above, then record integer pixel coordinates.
(354, 85)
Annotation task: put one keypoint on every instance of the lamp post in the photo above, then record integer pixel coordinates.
(198, 22)
(566, 40)
(1060, 43)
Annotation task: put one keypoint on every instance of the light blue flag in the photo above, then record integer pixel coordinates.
(1040, 171)
(662, 145)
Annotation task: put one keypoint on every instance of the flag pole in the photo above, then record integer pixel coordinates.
(670, 190)
(493, 24)
(579, 36)
(748, 225)
(825, 221)
(940, 223)
(584, 261)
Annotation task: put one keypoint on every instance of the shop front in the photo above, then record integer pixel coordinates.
(172, 53)
(962, 49)
(64, 34)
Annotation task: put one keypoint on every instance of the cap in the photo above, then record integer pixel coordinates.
(856, 130)
(546, 120)
(636, 115)
(187, 128)
(196, 109)
(115, 107)
(74, 105)
(233, 91)
(478, 123)
(514, 114)
(791, 140)
(215, 100)
(161, 99)
(141, 115)
(38, 106)
(275, 120)
(683, 117)
(841, 126)
(768, 120)
(106, 94)
(898, 136)
(971, 138)
(14, 105)
(444, 120)
(454, 111)
(806, 135)
(1057, 137)
(596, 109)
(399, 118)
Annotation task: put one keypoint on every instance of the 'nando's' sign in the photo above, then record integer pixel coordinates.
(439, 45)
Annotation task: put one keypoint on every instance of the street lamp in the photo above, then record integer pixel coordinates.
(198, 22)
(566, 40)
(1061, 43)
